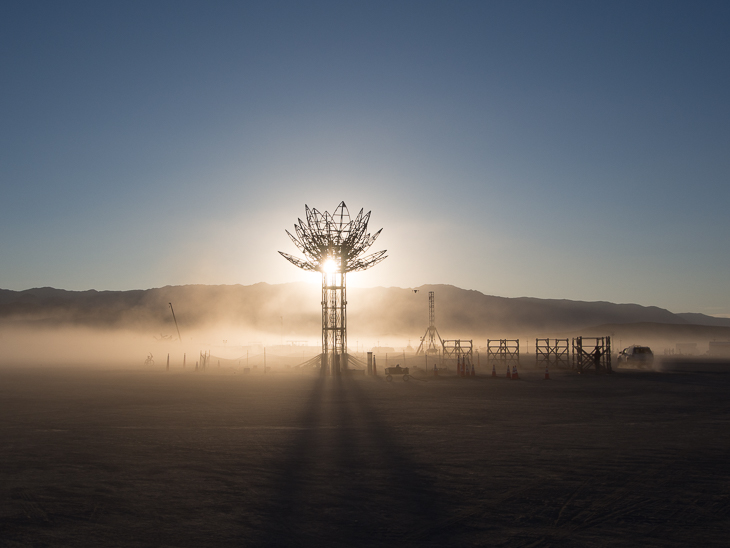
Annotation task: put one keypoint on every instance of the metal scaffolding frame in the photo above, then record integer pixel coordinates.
(431, 333)
(332, 244)
(454, 349)
(503, 352)
(334, 321)
(553, 354)
(585, 357)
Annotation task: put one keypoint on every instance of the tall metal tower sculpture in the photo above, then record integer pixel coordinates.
(431, 333)
(332, 245)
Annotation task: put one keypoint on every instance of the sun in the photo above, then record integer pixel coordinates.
(329, 266)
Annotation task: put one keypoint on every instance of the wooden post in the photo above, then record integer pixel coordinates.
(168, 363)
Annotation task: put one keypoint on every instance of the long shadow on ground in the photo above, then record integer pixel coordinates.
(346, 479)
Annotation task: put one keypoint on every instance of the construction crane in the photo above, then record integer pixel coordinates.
(175, 319)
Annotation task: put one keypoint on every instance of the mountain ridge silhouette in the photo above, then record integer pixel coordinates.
(460, 313)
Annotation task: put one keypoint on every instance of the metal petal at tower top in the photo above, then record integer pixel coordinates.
(334, 237)
(333, 244)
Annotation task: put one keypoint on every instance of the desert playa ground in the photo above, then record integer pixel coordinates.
(140, 458)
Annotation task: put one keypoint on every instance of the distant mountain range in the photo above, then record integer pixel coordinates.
(294, 310)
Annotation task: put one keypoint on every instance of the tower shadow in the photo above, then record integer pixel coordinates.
(348, 480)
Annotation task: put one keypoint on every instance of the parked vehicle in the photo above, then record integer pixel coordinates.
(636, 355)
(397, 370)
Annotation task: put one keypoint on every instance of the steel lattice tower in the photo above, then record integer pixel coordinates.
(332, 245)
(431, 331)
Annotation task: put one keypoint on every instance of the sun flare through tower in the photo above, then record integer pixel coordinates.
(333, 244)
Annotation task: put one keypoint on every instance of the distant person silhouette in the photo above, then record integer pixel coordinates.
(597, 358)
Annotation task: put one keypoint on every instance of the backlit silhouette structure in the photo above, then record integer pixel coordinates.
(333, 244)
(431, 333)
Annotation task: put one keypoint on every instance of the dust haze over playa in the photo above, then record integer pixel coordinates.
(57, 325)
(548, 170)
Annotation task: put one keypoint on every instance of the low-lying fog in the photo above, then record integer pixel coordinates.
(282, 323)
(87, 346)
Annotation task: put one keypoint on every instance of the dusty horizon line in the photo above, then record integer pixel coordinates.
(524, 297)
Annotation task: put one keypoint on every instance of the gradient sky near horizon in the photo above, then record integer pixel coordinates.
(576, 150)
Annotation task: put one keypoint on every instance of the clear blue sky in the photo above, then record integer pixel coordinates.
(575, 150)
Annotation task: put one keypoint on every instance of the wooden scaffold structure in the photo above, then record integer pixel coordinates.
(503, 352)
(552, 353)
(458, 350)
(592, 352)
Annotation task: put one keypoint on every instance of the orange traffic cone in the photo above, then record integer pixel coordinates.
(515, 376)
(494, 370)
(547, 373)
(473, 374)
(509, 375)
